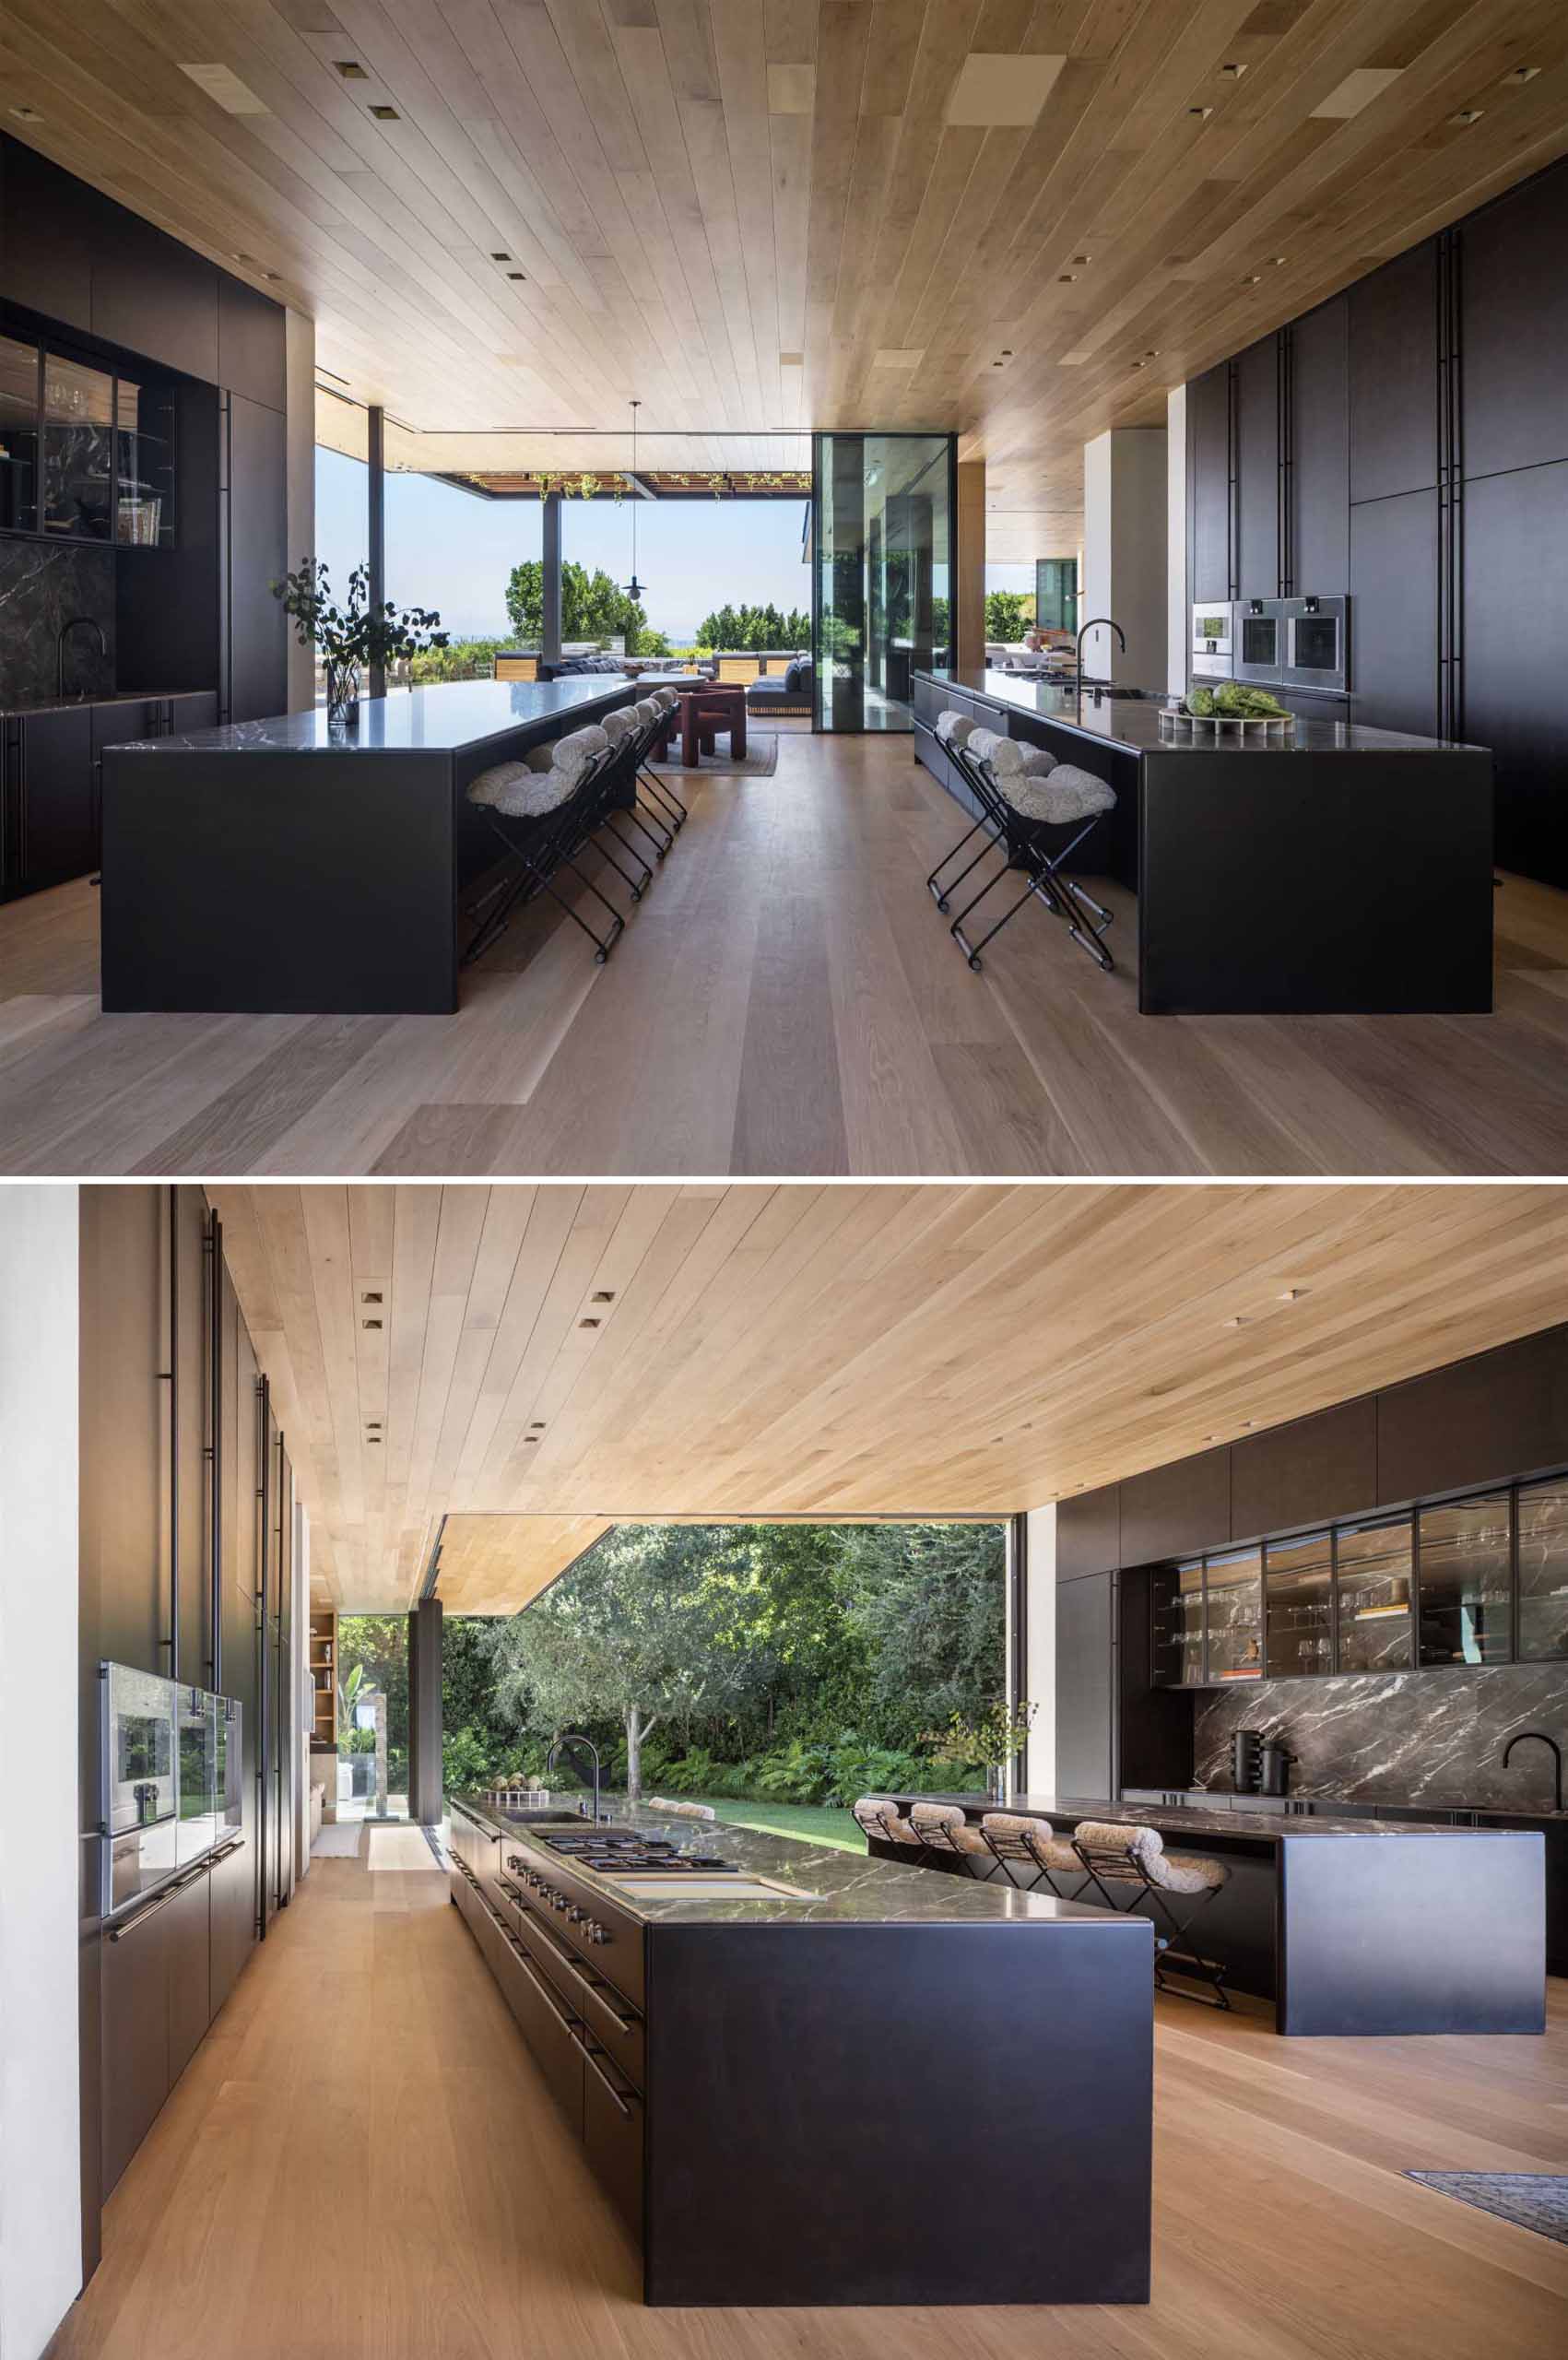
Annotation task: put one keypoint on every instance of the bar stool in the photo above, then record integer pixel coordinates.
(880, 1818)
(942, 1827)
(953, 731)
(666, 703)
(1129, 1855)
(544, 810)
(1012, 1837)
(1025, 790)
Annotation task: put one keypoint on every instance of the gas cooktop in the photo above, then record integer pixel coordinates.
(614, 1850)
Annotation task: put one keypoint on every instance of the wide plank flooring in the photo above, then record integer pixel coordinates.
(361, 2160)
(785, 1000)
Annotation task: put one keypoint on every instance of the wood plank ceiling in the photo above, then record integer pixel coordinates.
(602, 1353)
(1026, 219)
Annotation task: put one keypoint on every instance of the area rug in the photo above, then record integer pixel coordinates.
(760, 759)
(1536, 2201)
(395, 1845)
(335, 1842)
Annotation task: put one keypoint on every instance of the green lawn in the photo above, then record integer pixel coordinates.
(812, 1823)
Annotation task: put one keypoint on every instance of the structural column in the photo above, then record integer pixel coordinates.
(1124, 554)
(424, 1714)
(550, 635)
(376, 522)
(969, 565)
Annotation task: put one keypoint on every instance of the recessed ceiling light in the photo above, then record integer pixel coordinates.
(1238, 1321)
(372, 1296)
(1279, 261)
(1253, 278)
(1468, 114)
(1067, 279)
(386, 114)
(1083, 258)
(369, 1323)
(373, 1438)
(500, 257)
(1140, 364)
(590, 1323)
(1292, 1295)
(1246, 1425)
(1202, 112)
(27, 114)
(1007, 352)
(605, 1294)
(1357, 91)
(1001, 87)
(996, 364)
(517, 274)
(529, 1438)
(1233, 73)
(1522, 74)
(350, 69)
(537, 1426)
(225, 89)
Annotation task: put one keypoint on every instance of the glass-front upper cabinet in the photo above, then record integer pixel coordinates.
(1465, 1581)
(143, 464)
(1543, 1570)
(1299, 1601)
(18, 436)
(1373, 1573)
(1233, 1614)
(78, 449)
(1178, 1626)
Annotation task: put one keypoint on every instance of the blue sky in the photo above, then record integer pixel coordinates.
(446, 549)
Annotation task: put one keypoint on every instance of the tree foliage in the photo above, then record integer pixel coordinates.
(1008, 614)
(592, 607)
(805, 1663)
(747, 630)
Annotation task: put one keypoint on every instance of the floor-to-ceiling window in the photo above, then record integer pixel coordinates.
(883, 507)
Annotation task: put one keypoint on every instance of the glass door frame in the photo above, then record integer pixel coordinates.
(887, 434)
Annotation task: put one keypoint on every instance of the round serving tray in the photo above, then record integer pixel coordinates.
(1220, 726)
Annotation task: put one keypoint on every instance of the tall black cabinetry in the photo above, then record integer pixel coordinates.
(1209, 447)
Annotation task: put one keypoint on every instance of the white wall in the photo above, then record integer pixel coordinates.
(41, 2228)
(1040, 1641)
(1178, 618)
(1124, 552)
(300, 392)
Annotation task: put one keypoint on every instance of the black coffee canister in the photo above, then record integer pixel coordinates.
(1275, 1768)
(1247, 1760)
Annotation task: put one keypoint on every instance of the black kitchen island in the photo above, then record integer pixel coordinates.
(289, 866)
(776, 2063)
(1339, 870)
(1351, 1926)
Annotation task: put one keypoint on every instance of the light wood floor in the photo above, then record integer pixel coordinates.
(786, 1001)
(361, 2161)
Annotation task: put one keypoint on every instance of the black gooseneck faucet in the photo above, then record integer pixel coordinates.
(1093, 624)
(570, 1737)
(1541, 1738)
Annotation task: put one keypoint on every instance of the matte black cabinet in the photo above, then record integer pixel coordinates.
(233, 1880)
(124, 1532)
(1172, 1509)
(189, 1951)
(1393, 550)
(1480, 1420)
(1086, 1686)
(1258, 486)
(1514, 603)
(1306, 1473)
(191, 1314)
(1208, 485)
(1318, 561)
(1089, 1533)
(257, 635)
(135, 2034)
(1393, 377)
(47, 819)
(1513, 331)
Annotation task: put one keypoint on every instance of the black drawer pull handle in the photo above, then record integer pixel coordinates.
(591, 2058)
(568, 2023)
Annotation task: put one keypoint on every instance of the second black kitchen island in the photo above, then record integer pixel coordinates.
(1342, 870)
(291, 867)
(811, 2078)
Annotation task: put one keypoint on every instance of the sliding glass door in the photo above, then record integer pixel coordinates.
(883, 508)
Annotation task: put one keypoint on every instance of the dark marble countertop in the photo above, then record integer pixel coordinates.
(850, 1887)
(1133, 722)
(450, 719)
(1190, 1819)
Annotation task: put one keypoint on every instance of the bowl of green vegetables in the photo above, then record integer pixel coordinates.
(1230, 709)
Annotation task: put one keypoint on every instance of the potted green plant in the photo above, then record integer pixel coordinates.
(991, 1737)
(353, 636)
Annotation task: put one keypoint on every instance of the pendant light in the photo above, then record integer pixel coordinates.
(635, 589)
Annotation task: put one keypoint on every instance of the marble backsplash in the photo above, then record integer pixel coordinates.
(1433, 1737)
(42, 583)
